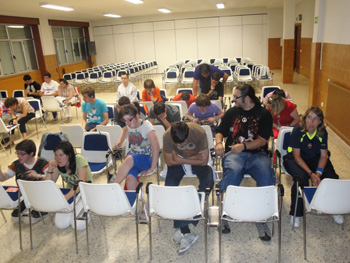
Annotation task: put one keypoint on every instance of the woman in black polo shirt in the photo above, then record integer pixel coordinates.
(307, 157)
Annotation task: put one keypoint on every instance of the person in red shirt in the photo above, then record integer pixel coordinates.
(186, 96)
(150, 93)
(284, 113)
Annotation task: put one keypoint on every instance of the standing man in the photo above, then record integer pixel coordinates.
(31, 87)
(247, 127)
(126, 88)
(165, 114)
(94, 110)
(203, 73)
(49, 88)
(185, 146)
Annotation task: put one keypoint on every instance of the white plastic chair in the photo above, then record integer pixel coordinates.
(50, 104)
(182, 103)
(251, 204)
(188, 75)
(114, 131)
(18, 93)
(176, 203)
(110, 200)
(45, 196)
(180, 90)
(7, 129)
(36, 104)
(266, 90)
(75, 134)
(282, 144)
(332, 197)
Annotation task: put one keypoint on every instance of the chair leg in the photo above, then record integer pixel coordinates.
(206, 239)
(19, 219)
(75, 222)
(219, 232)
(304, 229)
(36, 126)
(87, 234)
(137, 237)
(150, 237)
(296, 203)
(30, 228)
(3, 216)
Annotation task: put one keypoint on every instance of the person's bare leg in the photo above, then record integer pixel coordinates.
(131, 182)
(24, 135)
(124, 169)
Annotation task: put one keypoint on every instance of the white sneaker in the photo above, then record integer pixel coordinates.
(338, 219)
(178, 237)
(186, 242)
(163, 173)
(297, 221)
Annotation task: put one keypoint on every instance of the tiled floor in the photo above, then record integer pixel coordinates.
(327, 242)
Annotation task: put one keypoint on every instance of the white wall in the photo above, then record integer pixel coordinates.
(275, 22)
(180, 39)
(307, 9)
(46, 37)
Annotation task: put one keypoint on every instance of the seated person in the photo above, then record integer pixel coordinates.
(49, 88)
(27, 112)
(307, 158)
(186, 96)
(126, 88)
(186, 147)
(204, 111)
(280, 92)
(72, 168)
(94, 110)
(31, 87)
(164, 114)
(121, 102)
(284, 113)
(143, 152)
(66, 96)
(150, 93)
(216, 91)
(247, 126)
(27, 167)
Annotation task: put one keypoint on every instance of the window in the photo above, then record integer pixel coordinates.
(70, 44)
(17, 50)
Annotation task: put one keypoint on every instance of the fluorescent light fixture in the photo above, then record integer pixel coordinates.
(220, 6)
(18, 26)
(112, 15)
(57, 7)
(136, 2)
(164, 10)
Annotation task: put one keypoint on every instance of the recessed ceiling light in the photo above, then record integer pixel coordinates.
(164, 10)
(16, 26)
(136, 2)
(112, 15)
(220, 6)
(57, 7)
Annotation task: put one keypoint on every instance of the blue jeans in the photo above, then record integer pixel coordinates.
(176, 173)
(257, 165)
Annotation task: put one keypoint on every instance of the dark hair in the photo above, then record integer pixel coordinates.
(123, 101)
(67, 148)
(10, 101)
(124, 73)
(47, 74)
(64, 81)
(185, 95)
(179, 131)
(204, 68)
(137, 105)
(159, 107)
(216, 76)
(203, 100)
(321, 127)
(88, 91)
(128, 109)
(280, 92)
(27, 77)
(247, 90)
(27, 146)
(148, 84)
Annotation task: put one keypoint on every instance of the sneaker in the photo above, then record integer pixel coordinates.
(163, 173)
(264, 231)
(297, 221)
(338, 219)
(35, 217)
(186, 242)
(14, 214)
(225, 228)
(178, 237)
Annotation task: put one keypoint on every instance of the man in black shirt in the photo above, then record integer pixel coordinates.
(247, 127)
(216, 91)
(31, 87)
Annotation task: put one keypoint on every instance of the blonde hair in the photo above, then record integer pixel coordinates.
(276, 103)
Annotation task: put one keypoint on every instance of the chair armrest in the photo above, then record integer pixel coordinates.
(281, 189)
(217, 189)
(147, 187)
(139, 186)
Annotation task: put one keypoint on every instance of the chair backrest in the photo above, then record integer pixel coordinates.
(159, 129)
(3, 94)
(114, 131)
(110, 112)
(104, 199)
(163, 93)
(43, 196)
(48, 142)
(267, 89)
(251, 204)
(6, 202)
(183, 105)
(35, 103)
(95, 146)
(189, 90)
(283, 138)
(75, 134)
(332, 197)
(210, 136)
(3, 128)
(174, 202)
(18, 94)
(50, 103)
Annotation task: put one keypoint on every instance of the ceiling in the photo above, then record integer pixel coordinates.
(92, 10)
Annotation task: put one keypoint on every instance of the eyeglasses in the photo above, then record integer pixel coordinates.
(127, 121)
(21, 153)
(312, 119)
(237, 97)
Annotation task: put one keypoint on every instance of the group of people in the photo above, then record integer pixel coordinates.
(246, 129)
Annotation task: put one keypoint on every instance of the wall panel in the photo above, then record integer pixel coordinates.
(104, 49)
(124, 47)
(186, 44)
(253, 43)
(144, 46)
(231, 41)
(165, 46)
(208, 42)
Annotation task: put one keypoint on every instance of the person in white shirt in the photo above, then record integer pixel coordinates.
(127, 89)
(49, 88)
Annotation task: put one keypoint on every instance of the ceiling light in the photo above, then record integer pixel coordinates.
(16, 26)
(164, 10)
(136, 2)
(57, 7)
(112, 15)
(220, 6)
